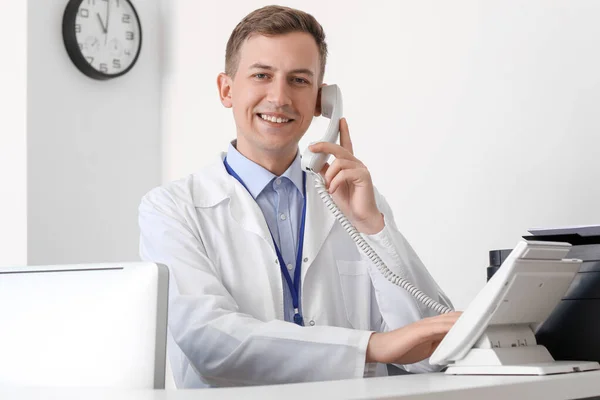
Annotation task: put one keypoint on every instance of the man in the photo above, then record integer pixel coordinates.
(266, 287)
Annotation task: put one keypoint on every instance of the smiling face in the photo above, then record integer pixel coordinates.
(273, 94)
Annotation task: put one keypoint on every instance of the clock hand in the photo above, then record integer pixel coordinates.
(107, 20)
(101, 23)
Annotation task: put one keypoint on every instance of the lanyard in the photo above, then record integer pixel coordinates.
(295, 285)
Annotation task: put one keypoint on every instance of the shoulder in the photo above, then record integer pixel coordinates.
(175, 192)
(204, 188)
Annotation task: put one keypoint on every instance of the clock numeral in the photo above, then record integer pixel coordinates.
(129, 35)
(77, 28)
(90, 59)
(92, 2)
(126, 18)
(80, 46)
(116, 63)
(127, 52)
(103, 68)
(84, 13)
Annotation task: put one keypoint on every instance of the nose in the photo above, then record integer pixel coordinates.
(278, 95)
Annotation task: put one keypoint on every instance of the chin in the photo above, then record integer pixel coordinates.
(277, 141)
(274, 144)
(280, 147)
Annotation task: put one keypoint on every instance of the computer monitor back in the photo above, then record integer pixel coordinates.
(88, 325)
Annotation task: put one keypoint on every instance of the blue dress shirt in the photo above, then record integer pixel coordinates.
(280, 198)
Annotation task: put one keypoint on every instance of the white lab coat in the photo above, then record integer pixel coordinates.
(226, 316)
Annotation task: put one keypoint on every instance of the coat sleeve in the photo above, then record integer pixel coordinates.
(224, 346)
(397, 306)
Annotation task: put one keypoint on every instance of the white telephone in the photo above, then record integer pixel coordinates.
(332, 108)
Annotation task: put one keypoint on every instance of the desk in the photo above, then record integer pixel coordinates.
(423, 386)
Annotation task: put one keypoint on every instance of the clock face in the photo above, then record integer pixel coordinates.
(103, 37)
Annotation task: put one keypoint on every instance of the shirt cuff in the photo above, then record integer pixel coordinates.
(384, 245)
(382, 236)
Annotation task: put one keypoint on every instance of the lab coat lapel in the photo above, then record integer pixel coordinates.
(319, 222)
(246, 212)
(218, 186)
(242, 207)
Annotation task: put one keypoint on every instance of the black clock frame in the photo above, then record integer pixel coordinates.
(72, 46)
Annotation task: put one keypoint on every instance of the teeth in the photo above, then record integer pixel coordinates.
(273, 119)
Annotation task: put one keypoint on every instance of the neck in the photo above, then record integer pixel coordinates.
(275, 162)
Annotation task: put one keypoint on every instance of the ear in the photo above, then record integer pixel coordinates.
(318, 105)
(224, 84)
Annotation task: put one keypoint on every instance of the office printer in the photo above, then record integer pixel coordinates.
(572, 331)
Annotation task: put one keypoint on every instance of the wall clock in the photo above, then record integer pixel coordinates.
(103, 37)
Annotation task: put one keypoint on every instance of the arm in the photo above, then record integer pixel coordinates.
(349, 182)
(410, 340)
(224, 346)
(400, 258)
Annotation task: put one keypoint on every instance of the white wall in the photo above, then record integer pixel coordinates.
(13, 133)
(92, 147)
(478, 120)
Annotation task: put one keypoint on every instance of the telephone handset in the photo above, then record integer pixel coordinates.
(332, 108)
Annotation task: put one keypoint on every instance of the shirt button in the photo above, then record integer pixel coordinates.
(290, 267)
(311, 323)
(283, 217)
(278, 181)
(305, 259)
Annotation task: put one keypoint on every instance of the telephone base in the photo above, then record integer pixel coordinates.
(548, 368)
(522, 360)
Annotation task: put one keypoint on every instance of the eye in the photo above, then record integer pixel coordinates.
(300, 81)
(261, 75)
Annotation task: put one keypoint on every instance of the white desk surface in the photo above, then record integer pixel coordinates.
(422, 386)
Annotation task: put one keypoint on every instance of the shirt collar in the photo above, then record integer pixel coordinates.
(255, 177)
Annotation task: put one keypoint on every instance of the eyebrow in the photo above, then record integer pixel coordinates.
(294, 71)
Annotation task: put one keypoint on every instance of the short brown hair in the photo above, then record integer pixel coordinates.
(270, 21)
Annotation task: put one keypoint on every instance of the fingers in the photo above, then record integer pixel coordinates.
(434, 346)
(451, 317)
(338, 165)
(331, 148)
(454, 315)
(355, 176)
(344, 150)
(324, 170)
(438, 325)
(345, 141)
(413, 342)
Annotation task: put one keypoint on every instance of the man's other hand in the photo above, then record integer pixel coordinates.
(412, 343)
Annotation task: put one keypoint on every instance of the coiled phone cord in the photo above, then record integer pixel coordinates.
(371, 254)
